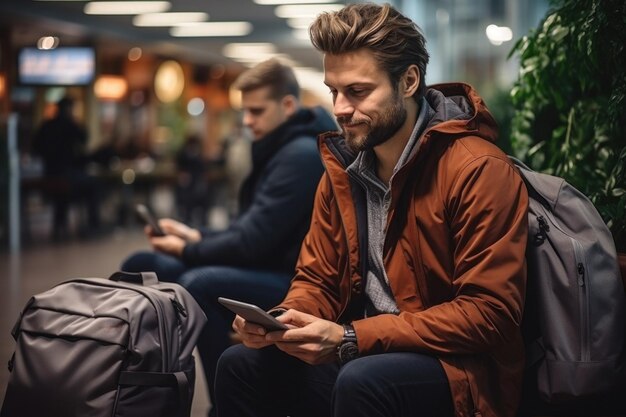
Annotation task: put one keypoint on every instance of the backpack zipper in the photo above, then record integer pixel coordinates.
(583, 288)
(544, 228)
(583, 292)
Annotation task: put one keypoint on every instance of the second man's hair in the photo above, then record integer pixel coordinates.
(280, 79)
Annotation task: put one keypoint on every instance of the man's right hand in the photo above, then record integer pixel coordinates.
(176, 228)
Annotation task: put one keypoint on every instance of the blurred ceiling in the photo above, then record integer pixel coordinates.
(25, 21)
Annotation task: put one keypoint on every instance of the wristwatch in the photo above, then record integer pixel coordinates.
(348, 348)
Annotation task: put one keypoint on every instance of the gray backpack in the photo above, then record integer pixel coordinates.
(574, 319)
(105, 348)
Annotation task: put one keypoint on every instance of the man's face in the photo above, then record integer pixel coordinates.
(262, 114)
(366, 106)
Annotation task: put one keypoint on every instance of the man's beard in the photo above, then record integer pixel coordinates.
(389, 123)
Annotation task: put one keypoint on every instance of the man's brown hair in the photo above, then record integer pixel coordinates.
(395, 40)
(280, 79)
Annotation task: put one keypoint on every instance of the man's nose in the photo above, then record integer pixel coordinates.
(247, 119)
(342, 107)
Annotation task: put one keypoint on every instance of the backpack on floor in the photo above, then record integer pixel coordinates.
(104, 348)
(574, 319)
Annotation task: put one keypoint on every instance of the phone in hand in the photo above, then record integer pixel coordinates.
(253, 314)
(148, 218)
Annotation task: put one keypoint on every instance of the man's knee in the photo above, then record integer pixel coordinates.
(201, 282)
(232, 362)
(190, 281)
(353, 375)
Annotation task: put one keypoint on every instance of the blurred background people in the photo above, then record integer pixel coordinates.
(237, 163)
(254, 258)
(192, 190)
(61, 144)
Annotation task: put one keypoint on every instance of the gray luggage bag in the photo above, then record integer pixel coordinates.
(104, 348)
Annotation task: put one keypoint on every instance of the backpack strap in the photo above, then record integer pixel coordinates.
(162, 379)
(142, 278)
(525, 171)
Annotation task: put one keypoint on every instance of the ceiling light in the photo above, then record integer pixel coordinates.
(212, 29)
(243, 50)
(169, 19)
(195, 106)
(134, 54)
(498, 34)
(169, 81)
(275, 2)
(126, 7)
(47, 42)
(110, 87)
(305, 10)
(300, 22)
(253, 60)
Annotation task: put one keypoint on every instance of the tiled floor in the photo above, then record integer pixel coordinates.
(39, 266)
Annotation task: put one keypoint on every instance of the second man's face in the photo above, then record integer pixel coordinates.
(261, 114)
(367, 107)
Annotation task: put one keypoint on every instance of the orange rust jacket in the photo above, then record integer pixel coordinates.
(453, 253)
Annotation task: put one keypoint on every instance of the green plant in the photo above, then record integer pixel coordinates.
(570, 102)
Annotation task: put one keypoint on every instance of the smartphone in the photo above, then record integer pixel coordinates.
(253, 314)
(144, 213)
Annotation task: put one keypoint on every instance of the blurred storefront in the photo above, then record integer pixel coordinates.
(141, 103)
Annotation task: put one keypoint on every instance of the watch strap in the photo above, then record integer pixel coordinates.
(349, 335)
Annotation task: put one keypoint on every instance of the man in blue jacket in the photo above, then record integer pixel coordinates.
(254, 259)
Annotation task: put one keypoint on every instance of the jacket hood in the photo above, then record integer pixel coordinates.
(460, 110)
(305, 122)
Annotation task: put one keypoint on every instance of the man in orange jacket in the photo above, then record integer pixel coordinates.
(408, 293)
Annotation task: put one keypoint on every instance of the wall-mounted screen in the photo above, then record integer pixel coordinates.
(70, 65)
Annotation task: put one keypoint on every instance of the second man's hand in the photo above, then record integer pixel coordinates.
(177, 235)
(176, 228)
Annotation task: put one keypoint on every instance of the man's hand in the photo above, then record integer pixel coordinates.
(252, 335)
(170, 244)
(312, 340)
(181, 230)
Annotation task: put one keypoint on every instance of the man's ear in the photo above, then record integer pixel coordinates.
(410, 81)
(290, 104)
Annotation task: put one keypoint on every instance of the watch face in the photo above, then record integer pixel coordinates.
(348, 351)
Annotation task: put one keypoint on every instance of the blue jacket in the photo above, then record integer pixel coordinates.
(275, 200)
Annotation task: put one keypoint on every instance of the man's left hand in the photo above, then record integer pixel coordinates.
(313, 341)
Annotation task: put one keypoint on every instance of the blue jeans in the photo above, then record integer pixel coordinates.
(206, 284)
(269, 383)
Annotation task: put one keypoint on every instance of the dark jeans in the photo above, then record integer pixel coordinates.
(269, 383)
(168, 268)
(206, 284)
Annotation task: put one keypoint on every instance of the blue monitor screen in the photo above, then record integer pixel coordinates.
(61, 66)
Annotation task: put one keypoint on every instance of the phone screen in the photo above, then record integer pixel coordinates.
(253, 314)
